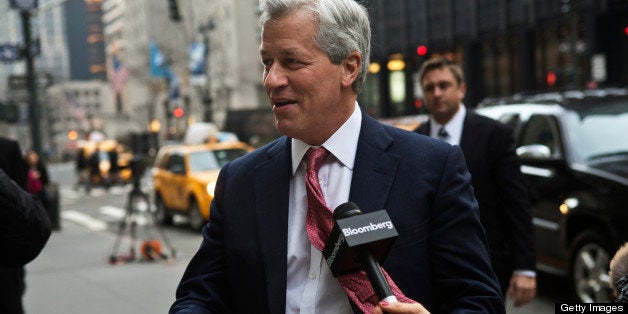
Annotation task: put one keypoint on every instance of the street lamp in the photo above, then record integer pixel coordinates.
(206, 96)
(29, 50)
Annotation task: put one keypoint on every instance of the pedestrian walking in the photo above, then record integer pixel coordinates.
(93, 165)
(489, 151)
(81, 168)
(37, 177)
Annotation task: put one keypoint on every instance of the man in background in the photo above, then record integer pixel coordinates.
(489, 149)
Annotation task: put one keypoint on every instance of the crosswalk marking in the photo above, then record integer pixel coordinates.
(118, 214)
(84, 220)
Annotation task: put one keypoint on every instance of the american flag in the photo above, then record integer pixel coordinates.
(79, 113)
(119, 75)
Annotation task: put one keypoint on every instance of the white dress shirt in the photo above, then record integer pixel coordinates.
(453, 127)
(311, 288)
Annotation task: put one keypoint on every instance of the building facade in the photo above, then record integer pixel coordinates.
(505, 46)
(75, 107)
(136, 31)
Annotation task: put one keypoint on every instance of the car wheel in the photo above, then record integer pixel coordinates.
(161, 212)
(589, 268)
(194, 216)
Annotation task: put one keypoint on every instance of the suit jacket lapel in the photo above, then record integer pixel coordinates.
(374, 170)
(424, 128)
(272, 186)
(467, 136)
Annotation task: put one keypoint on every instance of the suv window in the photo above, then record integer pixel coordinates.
(226, 155)
(513, 121)
(541, 129)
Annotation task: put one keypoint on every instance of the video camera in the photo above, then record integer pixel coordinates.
(138, 166)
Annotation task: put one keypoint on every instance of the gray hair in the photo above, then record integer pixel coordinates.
(343, 27)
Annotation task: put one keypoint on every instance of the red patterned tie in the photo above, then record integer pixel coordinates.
(319, 222)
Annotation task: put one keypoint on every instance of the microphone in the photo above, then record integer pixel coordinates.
(361, 241)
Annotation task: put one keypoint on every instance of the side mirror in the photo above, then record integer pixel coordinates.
(534, 151)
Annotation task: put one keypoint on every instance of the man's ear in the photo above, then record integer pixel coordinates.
(462, 90)
(351, 67)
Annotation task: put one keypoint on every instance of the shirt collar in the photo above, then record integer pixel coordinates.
(453, 126)
(342, 144)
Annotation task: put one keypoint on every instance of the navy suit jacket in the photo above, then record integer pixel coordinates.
(489, 151)
(439, 259)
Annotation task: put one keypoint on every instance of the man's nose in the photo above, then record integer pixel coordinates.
(275, 77)
(438, 91)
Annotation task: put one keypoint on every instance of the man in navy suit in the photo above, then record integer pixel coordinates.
(489, 150)
(256, 255)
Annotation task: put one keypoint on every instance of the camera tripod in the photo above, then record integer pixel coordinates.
(150, 247)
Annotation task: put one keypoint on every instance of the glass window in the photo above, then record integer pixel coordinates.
(542, 130)
(514, 122)
(175, 162)
(593, 132)
(203, 161)
(226, 155)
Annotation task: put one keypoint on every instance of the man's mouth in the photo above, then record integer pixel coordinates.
(281, 103)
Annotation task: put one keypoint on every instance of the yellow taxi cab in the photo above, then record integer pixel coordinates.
(184, 178)
(408, 123)
(105, 148)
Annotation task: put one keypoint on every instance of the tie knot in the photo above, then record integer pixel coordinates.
(314, 157)
(442, 133)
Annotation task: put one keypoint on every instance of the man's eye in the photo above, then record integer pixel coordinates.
(444, 85)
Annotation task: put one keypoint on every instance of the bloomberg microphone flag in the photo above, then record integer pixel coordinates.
(119, 75)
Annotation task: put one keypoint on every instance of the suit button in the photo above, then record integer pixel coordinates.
(313, 275)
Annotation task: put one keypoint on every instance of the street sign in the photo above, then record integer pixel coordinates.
(23, 4)
(20, 82)
(9, 52)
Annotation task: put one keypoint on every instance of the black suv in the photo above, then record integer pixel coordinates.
(573, 148)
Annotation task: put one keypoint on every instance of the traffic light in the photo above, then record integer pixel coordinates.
(421, 50)
(9, 112)
(178, 112)
(173, 7)
(626, 30)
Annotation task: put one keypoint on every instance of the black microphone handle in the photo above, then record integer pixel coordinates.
(374, 273)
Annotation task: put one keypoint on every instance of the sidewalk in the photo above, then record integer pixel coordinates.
(72, 275)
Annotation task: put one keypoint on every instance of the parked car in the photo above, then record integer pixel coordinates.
(573, 148)
(184, 177)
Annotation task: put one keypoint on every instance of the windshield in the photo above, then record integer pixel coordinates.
(213, 160)
(203, 161)
(599, 131)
